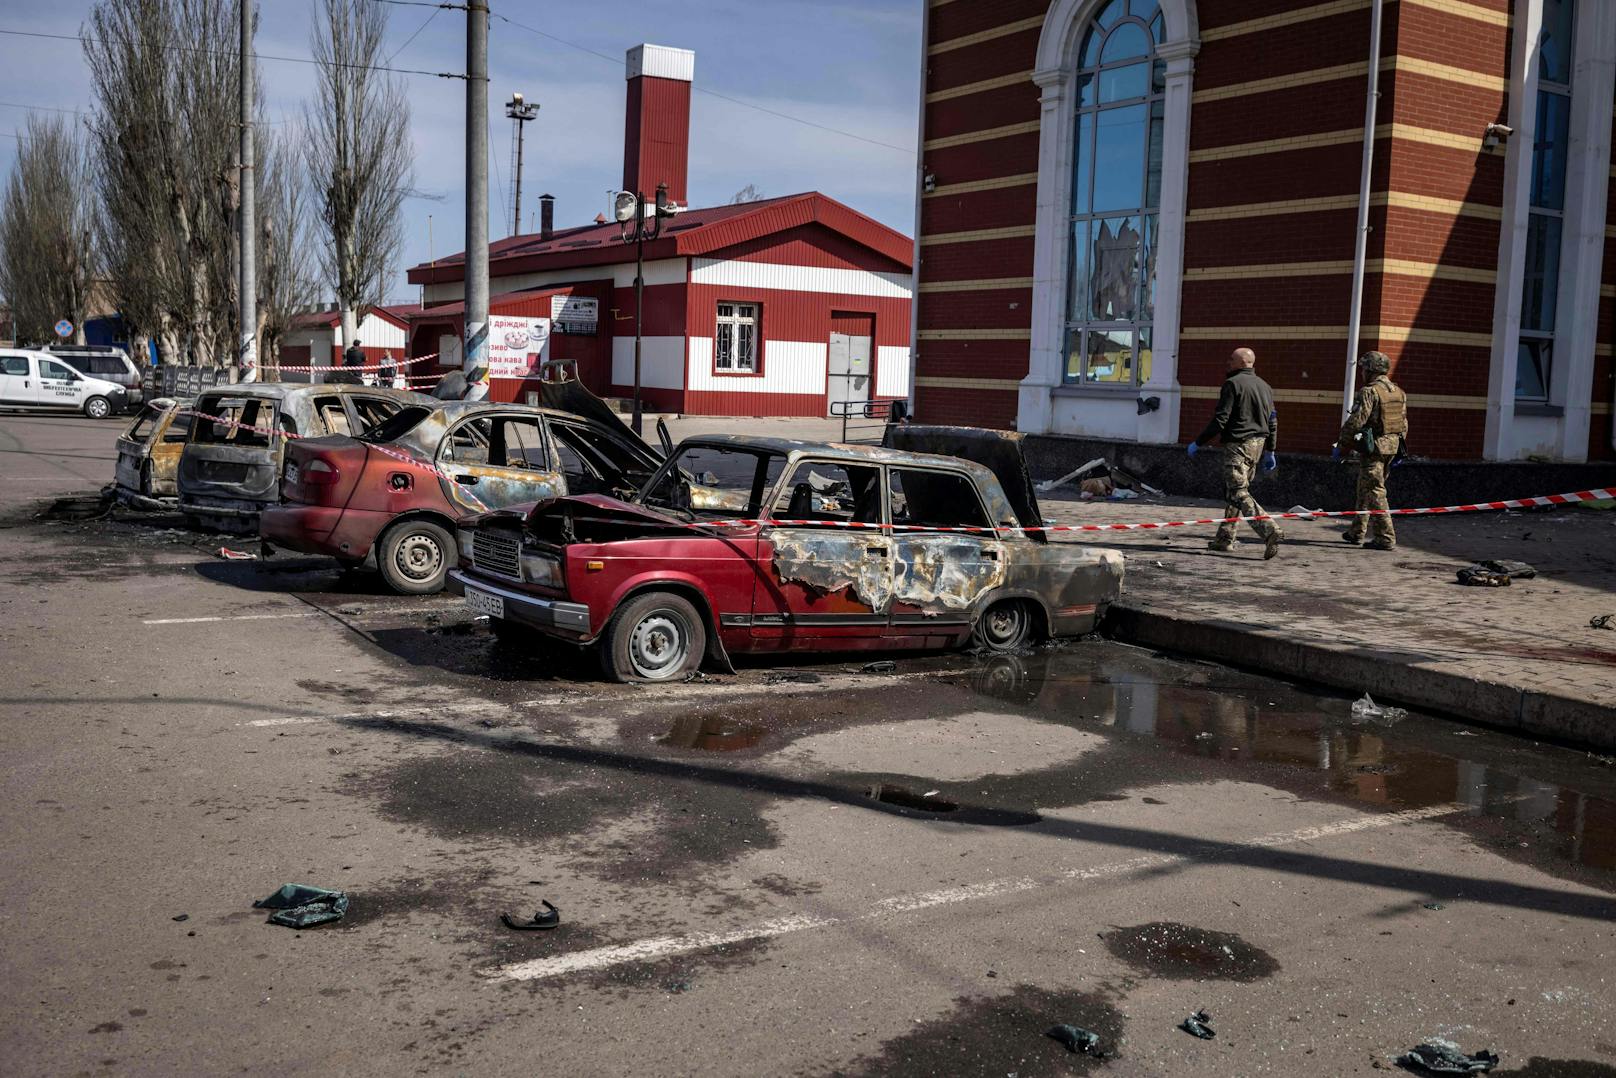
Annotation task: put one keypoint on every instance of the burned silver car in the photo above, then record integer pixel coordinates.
(230, 470)
(146, 475)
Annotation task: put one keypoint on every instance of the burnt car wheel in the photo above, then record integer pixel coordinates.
(415, 556)
(658, 636)
(1005, 626)
(97, 408)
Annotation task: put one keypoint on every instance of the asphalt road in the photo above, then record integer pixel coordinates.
(797, 870)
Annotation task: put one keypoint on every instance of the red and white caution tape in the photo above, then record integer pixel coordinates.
(353, 370)
(1512, 503)
(388, 451)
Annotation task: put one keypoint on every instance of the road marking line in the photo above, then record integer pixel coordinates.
(232, 617)
(658, 947)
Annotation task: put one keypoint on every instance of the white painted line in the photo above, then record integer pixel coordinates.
(657, 947)
(233, 617)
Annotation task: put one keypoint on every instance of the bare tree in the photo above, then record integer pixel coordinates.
(356, 156)
(47, 241)
(749, 193)
(286, 283)
(165, 126)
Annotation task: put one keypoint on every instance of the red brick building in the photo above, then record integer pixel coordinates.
(1116, 193)
(783, 306)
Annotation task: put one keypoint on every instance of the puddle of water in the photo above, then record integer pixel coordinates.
(713, 733)
(904, 797)
(1184, 952)
(1209, 711)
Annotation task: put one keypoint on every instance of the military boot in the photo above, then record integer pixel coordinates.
(1380, 544)
(1224, 545)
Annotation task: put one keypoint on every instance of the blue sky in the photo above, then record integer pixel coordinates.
(851, 65)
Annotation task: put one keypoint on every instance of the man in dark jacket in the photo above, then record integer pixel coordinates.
(1247, 424)
(353, 357)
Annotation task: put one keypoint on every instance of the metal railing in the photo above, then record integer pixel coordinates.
(886, 411)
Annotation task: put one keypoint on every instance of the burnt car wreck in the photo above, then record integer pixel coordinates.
(755, 545)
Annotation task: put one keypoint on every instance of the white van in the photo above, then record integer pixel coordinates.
(35, 380)
(110, 364)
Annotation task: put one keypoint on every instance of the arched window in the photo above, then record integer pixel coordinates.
(1116, 191)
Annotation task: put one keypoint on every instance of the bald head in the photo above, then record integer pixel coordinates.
(1242, 358)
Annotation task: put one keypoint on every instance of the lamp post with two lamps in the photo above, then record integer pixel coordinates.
(629, 208)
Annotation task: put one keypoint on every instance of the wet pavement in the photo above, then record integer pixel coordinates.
(799, 869)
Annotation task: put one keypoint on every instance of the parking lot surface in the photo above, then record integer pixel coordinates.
(798, 869)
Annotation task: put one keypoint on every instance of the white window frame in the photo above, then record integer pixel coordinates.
(1057, 66)
(1560, 426)
(743, 315)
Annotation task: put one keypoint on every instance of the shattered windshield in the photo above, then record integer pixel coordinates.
(714, 482)
(396, 426)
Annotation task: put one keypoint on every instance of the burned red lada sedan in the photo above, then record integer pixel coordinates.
(755, 545)
(392, 496)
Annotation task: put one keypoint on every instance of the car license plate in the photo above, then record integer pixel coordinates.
(482, 602)
(291, 473)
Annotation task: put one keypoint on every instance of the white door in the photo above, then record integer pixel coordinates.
(16, 375)
(849, 370)
(59, 385)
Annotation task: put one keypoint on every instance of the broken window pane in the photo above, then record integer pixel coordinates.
(929, 499)
(831, 492)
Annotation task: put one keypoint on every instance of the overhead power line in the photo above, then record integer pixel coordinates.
(617, 60)
(257, 55)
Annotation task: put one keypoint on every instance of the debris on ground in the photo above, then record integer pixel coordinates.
(696, 675)
(1077, 1039)
(1438, 1056)
(236, 555)
(1432, 906)
(1095, 488)
(1198, 1025)
(1602, 621)
(299, 905)
(181, 917)
(1050, 484)
(1364, 709)
(791, 677)
(1495, 574)
(1122, 494)
(880, 666)
(549, 917)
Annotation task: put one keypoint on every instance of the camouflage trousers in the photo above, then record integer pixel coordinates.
(1372, 495)
(1240, 460)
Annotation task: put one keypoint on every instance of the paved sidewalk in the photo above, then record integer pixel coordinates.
(1395, 624)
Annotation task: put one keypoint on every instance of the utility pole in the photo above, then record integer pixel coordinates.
(247, 219)
(476, 317)
(629, 208)
(521, 112)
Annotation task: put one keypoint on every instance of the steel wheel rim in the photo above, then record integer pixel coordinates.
(419, 557)
(1005, 625)
(659, 645)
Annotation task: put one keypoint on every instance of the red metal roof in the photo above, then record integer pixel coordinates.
(692, 232)
(397, 313)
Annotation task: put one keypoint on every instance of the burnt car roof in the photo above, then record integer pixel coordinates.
(870, 454)
(424, 436)
(284, 390)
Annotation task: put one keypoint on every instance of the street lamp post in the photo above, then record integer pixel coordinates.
(521, 111)
(629, 208)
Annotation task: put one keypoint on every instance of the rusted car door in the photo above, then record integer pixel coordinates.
(233, 456)
(938, 575)
(489, 461)
(149, 451)
(818, 579)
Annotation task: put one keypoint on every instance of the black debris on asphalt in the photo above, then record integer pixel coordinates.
(1077, 1039)
(1438, 1056)
(1198, 1025)
(298, 905)
(883, 666)
(549, 917)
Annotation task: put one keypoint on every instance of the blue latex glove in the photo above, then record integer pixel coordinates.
(1335, 452)
(1192, 449)
(1269, 462)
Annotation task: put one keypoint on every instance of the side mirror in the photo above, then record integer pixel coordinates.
(664, 437)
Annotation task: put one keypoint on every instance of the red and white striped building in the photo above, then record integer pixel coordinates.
(775, 307)
(1114, 194)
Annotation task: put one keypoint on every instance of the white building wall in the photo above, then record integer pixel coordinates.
(662, 362)
(891, 371)
(788, 367)
(788, 278)
(378, 332)
(661, 271)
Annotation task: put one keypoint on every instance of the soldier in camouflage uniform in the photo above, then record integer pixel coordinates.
(1375, 431)
(1247, 424)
